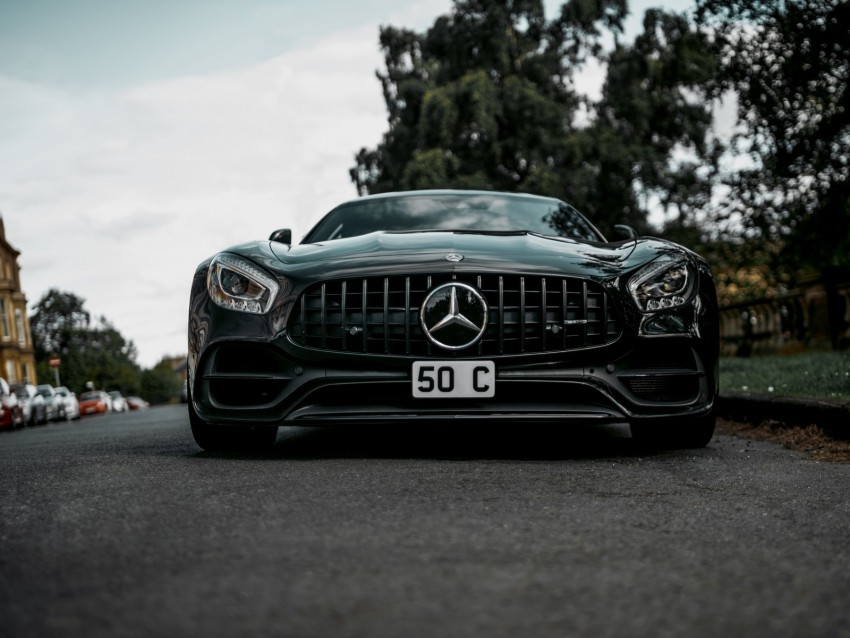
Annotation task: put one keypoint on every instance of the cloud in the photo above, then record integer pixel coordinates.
(116, 197)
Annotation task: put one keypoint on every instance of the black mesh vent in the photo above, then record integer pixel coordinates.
(527, 314)
(671, 389)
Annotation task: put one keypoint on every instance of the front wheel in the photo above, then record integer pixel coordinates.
(228, 438)
(675, 434)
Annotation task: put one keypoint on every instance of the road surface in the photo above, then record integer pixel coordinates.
(120, 526)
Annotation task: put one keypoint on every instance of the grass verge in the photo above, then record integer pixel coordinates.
(824, 376)
(815, 375)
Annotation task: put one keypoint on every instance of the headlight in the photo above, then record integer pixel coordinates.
(237, 284)
(663, 284)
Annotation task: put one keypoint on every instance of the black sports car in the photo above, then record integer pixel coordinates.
(453, 306)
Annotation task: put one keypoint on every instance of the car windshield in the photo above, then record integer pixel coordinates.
(471, 212)
(89, 396)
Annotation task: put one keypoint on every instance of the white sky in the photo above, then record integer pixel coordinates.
(137, 139)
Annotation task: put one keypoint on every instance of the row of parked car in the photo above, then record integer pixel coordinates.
(26, 404)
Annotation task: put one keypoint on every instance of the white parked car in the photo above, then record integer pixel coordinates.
(55, 404)
(72, 404)
(119, 403)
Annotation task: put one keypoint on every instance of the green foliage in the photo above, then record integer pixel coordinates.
(161, 384)
(789, 65)
(485, 99)
(96, 352)
(822, 375)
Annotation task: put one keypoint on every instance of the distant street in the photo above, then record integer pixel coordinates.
(120, 526)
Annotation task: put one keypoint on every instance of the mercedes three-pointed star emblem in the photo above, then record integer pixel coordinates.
(454, 316)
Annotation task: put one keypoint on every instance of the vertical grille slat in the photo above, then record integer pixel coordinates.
(544, 312)
(364, 313)
(407, 315)
(343, 309)
(501, 315)
(386, 315)
(324, 316)
(522, 314)
(527, 314)
(584, 311)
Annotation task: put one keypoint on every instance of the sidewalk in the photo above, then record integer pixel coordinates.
(832, 417)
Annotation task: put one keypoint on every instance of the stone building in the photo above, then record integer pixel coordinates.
(17, 361)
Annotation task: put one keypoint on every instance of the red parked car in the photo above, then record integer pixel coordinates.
(95, 402)
(137, 403)
(11, 411)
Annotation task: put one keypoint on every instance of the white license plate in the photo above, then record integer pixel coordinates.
(454, 379)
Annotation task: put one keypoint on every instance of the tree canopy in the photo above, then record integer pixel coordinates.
(486, 98)
(788, 63)
(90, 351)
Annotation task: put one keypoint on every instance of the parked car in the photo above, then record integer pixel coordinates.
(54, 403)
(119, 403)
(11, 410)
(453, 306)
(72, 404)
(33, 404)
(137, 403)
(95, 402)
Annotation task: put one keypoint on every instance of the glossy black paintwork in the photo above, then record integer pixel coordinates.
(692, 327)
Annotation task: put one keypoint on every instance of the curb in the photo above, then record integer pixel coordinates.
(832, 417)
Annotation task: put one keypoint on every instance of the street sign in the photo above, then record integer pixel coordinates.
(54, 362)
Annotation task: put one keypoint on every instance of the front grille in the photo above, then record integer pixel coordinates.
(526, 314)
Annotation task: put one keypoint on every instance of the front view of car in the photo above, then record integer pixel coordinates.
(453, 306)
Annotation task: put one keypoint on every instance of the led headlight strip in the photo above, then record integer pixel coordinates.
(665, 283)
(237, 284)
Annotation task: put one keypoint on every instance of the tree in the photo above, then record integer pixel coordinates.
(161, 383)
(789, 65)
(61, 326)
(485, 99)
(473, 102)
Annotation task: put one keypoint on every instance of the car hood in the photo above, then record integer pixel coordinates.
(395, 252)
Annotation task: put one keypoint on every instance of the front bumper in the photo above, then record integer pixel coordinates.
(256, 382)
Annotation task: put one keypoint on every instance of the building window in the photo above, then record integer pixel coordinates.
(26, 370)
(11, 377)
(19, 324)
(4, 321)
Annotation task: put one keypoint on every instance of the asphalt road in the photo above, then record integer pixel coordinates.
(120, 526)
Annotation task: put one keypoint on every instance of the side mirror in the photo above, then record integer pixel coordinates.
(624, 232)
(282, 236)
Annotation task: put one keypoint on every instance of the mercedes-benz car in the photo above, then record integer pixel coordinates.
(453, 307)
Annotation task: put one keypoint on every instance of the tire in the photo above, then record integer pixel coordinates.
(224, 438)
(676, 435)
